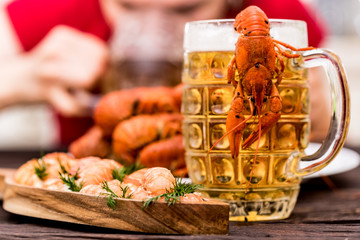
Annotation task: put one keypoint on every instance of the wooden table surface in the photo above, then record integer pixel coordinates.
(322, 212)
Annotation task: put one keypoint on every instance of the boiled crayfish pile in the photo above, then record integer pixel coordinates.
(140, 125)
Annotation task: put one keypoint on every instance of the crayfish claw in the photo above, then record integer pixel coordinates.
(267, 122)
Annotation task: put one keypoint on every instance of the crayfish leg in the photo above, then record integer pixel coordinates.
(235, 127)
(291, 47)
(268, 119)
(286, 54)
(279, 71)
(231, 69)
(235, 124)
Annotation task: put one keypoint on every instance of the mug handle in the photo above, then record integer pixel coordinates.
(340, 111)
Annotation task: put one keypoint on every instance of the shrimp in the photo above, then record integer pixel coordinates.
(92, 143)
(132, 192)
(26, 174)
(192, 197)
(57, 162)
(172, 150)
(157, 180)
(139, 193)
(97, 172)
(136, 178)
(92, 189)
(119, 105)
(55, 184)
(51, 163)
(82, 163)
(97, 189)
(131, 135)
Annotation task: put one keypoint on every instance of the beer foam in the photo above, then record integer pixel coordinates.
(219, 35)
(293, 32)
(210, 35)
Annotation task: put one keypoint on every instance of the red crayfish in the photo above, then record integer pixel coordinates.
(255, 60)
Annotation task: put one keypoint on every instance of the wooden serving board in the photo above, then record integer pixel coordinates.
(5, 172)
(210, 217)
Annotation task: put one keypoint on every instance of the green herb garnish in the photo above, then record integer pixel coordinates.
(124, 192)
(70, 181)
(111, 202)
(173, 194)
(120, 173)
(111, 195)
(62, 167)
(40, 170)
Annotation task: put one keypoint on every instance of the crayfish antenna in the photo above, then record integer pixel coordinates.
(293, 48)
(232, 130)
(256, 151)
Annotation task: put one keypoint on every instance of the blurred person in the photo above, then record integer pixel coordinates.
(55, 51)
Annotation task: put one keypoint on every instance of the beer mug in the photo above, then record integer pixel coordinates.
(268, 190)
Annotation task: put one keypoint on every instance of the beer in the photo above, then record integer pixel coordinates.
(206, 101)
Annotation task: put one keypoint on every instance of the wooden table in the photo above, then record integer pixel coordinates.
(321, 212)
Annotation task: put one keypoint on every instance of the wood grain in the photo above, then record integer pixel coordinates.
(5, 172)
(211, 217)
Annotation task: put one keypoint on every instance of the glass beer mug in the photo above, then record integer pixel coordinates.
(271, 191)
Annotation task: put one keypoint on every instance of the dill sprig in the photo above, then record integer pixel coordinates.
(111, 202)
(40, 170)
(124, 191)
(62, 167)
(173, 194)
(70, 181)
(120, 173)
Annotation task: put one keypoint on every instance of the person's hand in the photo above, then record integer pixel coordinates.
(58, 70)
(69, 60)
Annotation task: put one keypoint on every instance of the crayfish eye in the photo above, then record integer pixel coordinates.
(252, 99)
(265, 99)
(235, 28)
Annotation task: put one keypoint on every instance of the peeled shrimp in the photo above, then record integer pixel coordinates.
(97, 189)
(138, 192)
(98, 171)
(54, 162)
(136, 178)
(157, 180)
(133, 192)
(26, 173)
(82, 163)
(192, 197)
(55, 184)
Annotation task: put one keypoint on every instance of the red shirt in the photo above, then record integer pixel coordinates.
(33, 19)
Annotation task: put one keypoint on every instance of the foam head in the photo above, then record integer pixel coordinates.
(219, 35)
